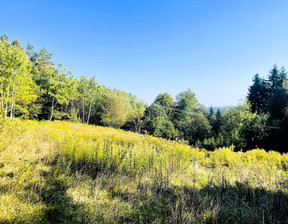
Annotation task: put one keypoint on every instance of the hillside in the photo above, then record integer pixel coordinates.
(61, 172)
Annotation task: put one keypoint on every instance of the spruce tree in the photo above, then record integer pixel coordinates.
(258, 95)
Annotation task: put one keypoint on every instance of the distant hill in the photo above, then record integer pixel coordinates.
(222, 109)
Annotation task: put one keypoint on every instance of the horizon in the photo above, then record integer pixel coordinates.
(147, 47)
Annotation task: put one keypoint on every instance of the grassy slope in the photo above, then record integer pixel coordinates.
(59, 172)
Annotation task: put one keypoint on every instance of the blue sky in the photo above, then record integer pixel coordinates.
(146, 47)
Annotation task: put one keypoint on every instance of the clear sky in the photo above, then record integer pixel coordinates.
(146, 47)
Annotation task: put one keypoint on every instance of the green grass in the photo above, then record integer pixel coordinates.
(60, 172)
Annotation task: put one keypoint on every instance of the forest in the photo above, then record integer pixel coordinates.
(32, 87)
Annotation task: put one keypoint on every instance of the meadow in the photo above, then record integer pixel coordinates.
(63, 172)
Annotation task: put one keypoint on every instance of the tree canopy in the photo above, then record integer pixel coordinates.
(32, 87)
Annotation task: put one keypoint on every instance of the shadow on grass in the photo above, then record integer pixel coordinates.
(241, 203)
(92, 169)
(59, 207)
(158, 202)
(244, 204)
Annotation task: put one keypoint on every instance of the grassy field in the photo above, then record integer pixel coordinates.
(60, 172)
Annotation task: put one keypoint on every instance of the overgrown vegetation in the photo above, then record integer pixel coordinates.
(60, 172)
(65, 172)
(32, 87)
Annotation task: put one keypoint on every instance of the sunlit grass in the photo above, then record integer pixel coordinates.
(60, 172)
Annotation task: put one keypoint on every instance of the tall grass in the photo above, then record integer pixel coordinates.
(60, 172)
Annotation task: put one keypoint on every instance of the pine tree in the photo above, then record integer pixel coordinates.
(276, 78)
(258, 95)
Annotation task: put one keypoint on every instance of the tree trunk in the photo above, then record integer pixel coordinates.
(2, 96)
(77, 112)
(52, 109)
(13, 97)
(72, 104)
(138, 126)
(7, 97)
(89, 113)
(83, 118)
(66, 107)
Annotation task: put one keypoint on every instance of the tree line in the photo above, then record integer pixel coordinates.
(32, 87)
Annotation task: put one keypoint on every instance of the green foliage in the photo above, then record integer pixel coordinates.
(277, 77)
(214, 120)
(194, 128)
(88, 93)
(239, 127)
(270, 98)
(164, 100)
(278, 120)
(155, 119)
(32, 87)
(278, 105)
(192, 125)
(114, 113)
(258, 95)
(187, 101)
(134, 120)
(18, 90)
